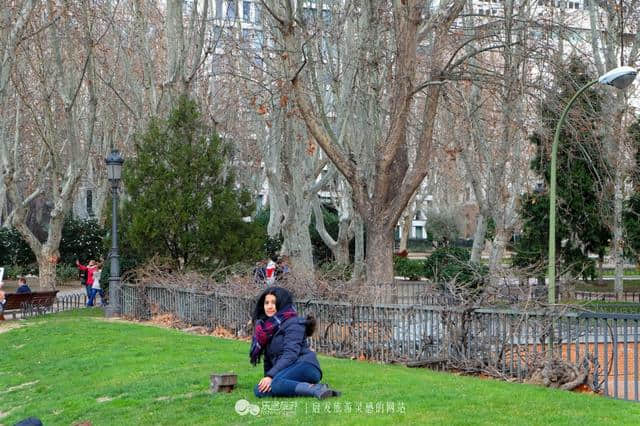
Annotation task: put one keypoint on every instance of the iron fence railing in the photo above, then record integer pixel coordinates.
(506, 341)
(62, 303)
(624, 297)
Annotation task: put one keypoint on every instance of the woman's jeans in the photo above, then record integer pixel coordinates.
(284, 383)
(92, 296)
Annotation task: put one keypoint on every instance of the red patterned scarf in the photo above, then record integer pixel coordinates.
(265, 329)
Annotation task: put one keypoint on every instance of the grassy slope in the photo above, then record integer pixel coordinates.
(158, 376)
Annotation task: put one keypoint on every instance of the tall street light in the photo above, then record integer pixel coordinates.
(114, 172)
(620, 78)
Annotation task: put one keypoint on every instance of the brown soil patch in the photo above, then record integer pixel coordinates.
(9, 325)
(171, 321)
(23, 385)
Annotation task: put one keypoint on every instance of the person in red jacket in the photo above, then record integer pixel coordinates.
(89, 269)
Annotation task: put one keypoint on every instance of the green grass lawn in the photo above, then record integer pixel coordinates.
(77, 366)
(608, 272)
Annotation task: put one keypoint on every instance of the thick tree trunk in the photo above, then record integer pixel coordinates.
(497, 253)
(358, 259)
(295, 177)
(601, 271)
(478, 238)
(297, 242)
(275, 214)
(47, 269)
(341, 252)
(379, 258)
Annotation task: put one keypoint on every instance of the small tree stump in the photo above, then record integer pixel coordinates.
(224, 382)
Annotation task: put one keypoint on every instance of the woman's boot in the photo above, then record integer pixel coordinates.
(333, 391)
(317, 390)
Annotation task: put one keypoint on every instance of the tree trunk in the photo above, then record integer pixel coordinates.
(478, 238)
(340, 247)
(405, 229)
(297, 242)
(341, 253)
(497, 253)
(379, 258)
(47, 270)
(358, 258)
(601, 271)
(274, 227)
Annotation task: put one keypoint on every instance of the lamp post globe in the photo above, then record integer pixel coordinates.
(114, 173)
(114, 165)
(619, 78)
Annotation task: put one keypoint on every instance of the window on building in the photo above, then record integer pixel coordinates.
(419, 232)
(218, 8)
(231, 9)
(308, 14)
(246, 11)
(326, 17)
(258, 39)
(257, 14)
(216, 33)
(188, 6)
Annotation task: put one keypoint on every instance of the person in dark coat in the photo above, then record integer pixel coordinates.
(24, 288)
(291, 368)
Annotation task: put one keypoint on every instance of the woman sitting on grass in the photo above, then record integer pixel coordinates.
(290, 367)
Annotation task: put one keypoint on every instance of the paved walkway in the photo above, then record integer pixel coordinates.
(68, 291)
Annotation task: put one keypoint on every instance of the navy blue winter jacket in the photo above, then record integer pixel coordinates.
(23, 289)
(287, 346)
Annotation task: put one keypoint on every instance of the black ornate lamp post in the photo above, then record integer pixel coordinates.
(114, 172)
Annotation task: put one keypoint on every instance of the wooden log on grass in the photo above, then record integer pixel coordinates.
(223, 382)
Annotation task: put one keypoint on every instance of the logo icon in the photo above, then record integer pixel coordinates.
(244, 407)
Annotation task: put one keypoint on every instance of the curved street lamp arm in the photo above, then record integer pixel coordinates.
(552, 195)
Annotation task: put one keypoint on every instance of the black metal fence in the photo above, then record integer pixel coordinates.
(608, 296)
(506, 341)
(62, 303)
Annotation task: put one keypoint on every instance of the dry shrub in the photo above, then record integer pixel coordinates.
(560, 374)
(240, 280)
(168, 320)
(223, 332)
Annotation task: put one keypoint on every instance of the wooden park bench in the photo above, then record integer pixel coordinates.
(40, 300)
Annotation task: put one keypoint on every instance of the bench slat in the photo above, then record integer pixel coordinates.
(41, 298)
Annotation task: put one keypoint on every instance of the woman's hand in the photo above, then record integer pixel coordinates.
(264, 385)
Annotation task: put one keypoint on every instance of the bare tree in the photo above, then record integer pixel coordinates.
(393, 39)
(53, 119)
(615, 41)
(493, 139)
